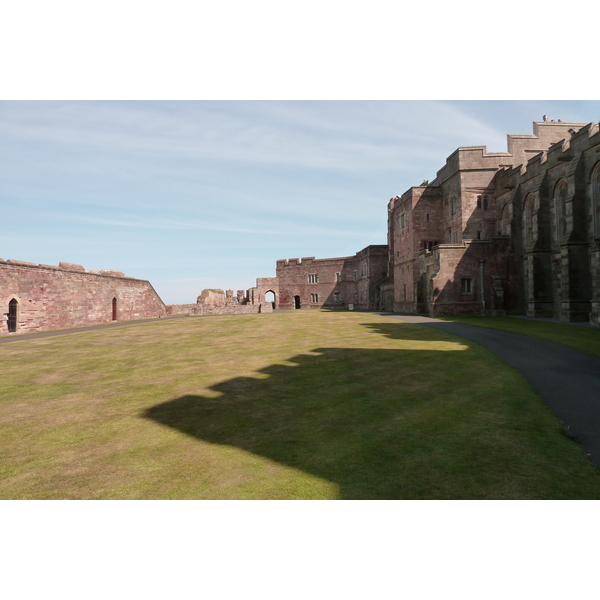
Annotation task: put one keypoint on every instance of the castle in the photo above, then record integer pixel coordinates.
(500, 233)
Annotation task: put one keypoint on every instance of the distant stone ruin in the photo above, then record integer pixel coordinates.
(218, 302)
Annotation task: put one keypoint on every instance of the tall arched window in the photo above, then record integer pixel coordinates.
(596, 199)
(12, 315)
(560, 206)
(528, 220)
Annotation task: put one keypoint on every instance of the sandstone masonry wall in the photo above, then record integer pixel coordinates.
(45, 297)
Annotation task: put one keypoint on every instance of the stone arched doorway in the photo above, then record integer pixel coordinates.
(271, 296)
(296, 302)
(12, 315)
(114, 309)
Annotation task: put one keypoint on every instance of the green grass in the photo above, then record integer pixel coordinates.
(306, 404)
(586, 339)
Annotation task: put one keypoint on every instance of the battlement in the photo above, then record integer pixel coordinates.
(65, 266)
(521, 149)
(295, 262)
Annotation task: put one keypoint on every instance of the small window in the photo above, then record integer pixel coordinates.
(466, 286)
(336, 297)
(314, 298)
(402, 221)
(479, 235)
(427, 217)
(453, 205)
(486, 202)
(338, 277)
(355, 275)
(313, 278)
(478, 201)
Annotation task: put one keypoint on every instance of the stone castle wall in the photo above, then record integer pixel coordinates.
(333, 282)
(46, 297)
(516, 232)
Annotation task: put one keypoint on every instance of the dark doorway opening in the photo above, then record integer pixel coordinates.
(12, 316)
(114, 309)
(296, 301)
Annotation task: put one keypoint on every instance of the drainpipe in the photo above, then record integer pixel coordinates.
(481, 263)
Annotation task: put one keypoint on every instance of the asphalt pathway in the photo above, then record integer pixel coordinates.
(566, 379)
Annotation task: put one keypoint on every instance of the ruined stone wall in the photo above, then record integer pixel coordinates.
(57, 297)
(219, 302)
(226, 309)
(264, 285)
(181, 309)
(234, 309)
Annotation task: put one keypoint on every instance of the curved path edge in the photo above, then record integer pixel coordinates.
(568, 380)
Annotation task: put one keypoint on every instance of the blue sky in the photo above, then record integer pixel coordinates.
(195, 194)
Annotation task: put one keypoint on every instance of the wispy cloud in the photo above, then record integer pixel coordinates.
(193, 225)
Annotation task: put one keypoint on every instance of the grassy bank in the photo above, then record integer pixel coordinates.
(305, 404)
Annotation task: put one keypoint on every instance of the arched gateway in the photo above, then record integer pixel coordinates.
(271, 297)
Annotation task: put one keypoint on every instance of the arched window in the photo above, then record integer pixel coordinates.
(560, 206)
(528, 220)
(505, 221)
(12, 315)
(596, 199)
(114, 309)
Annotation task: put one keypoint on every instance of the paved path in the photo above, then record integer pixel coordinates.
(567, 380)
(43, 334)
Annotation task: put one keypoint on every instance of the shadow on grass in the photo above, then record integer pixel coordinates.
(385, 423)
(327, 414)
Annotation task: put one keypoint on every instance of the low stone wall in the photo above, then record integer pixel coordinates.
(227, 309)
(181, 309)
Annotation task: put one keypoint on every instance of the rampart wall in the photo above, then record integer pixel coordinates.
(46, 297)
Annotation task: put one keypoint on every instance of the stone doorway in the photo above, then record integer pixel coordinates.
(12, 316)
(272, 298)
(114, 309)
(296, 302)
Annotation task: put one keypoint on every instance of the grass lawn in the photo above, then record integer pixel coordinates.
(298, 405)
(586, 339)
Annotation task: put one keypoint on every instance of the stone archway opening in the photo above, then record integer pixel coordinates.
(296, 302)
(114, 309)
(271, 297)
